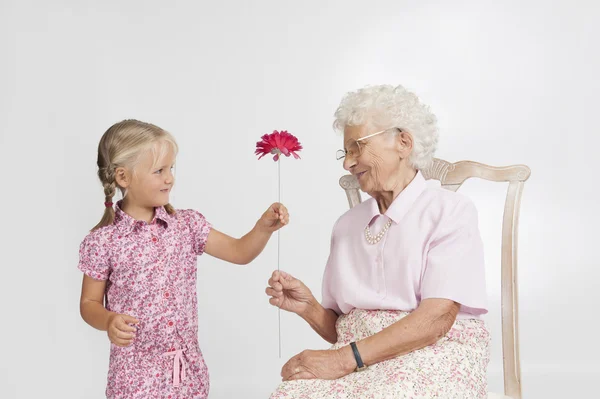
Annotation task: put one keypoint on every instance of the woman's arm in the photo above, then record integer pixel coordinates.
(244, 250)
(321, 320)
(423, 327)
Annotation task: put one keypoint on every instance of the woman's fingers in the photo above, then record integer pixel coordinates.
(291, 367)
(276, 301)
(278, 275)
(291, 284)
(274, 278)
(276, 286)
(303, 375)
(275, 281)
(274, 293)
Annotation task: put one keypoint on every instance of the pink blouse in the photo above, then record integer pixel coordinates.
(432, 249)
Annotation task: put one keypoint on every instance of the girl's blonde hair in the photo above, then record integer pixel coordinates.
(122, 145)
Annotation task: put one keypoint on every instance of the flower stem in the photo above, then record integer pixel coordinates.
(279, 246)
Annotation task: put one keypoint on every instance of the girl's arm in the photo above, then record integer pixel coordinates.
(91, 304)
(92, 310)
(244, 250)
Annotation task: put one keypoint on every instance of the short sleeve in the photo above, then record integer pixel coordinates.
(199, 228)
(94, 257)
(455, 267)
(327, 299)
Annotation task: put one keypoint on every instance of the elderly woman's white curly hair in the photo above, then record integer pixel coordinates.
(386, 106)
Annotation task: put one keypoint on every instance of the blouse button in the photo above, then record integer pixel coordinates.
(154, 239)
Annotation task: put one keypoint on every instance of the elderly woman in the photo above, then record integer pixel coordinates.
(404, 286)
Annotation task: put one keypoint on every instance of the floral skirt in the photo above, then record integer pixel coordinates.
(453, 367)
(178, 373)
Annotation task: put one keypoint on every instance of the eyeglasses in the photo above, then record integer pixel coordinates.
(355, 148)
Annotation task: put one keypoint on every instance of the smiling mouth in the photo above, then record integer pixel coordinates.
(165, 190)
(359, 175)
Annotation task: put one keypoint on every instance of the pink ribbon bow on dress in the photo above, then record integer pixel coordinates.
(179, 366)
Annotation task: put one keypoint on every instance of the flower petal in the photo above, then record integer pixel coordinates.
(278, 143)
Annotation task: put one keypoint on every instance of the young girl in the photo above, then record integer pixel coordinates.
(141, 258)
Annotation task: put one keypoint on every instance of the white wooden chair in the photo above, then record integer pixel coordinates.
(451, 177)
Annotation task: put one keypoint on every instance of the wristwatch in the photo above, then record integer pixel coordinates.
(360, 366)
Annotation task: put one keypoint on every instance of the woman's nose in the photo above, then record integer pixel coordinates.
(349, 162)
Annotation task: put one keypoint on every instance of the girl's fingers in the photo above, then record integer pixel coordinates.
(122, 342)
(123, 335)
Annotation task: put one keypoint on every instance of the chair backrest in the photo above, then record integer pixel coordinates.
(452, 176)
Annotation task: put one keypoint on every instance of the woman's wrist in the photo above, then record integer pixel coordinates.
(312, 308)
(346, 359)
(322, 320)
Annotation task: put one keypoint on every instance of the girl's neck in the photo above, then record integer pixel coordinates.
(136, 211)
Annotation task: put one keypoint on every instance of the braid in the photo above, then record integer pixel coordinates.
(109, 183)
(107, 177)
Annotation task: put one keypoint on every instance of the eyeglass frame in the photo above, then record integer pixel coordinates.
(345, 152)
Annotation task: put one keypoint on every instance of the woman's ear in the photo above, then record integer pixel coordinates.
(122, 177)
(405, 143)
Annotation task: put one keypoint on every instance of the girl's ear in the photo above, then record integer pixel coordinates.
(122, 177)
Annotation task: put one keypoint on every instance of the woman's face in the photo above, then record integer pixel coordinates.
(378, 161)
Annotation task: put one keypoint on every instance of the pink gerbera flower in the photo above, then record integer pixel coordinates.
(278, 143)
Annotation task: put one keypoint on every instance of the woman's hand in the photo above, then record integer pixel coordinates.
(323, 364)
(274, 218)
(289, 293)
(119, 330)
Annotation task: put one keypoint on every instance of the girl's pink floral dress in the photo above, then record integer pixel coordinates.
(151, 275)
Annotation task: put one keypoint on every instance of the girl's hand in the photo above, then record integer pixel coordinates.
(274, 218)
(119, 331)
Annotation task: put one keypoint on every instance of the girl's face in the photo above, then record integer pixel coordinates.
(152, 182)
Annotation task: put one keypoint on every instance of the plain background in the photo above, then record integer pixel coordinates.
(510, 81)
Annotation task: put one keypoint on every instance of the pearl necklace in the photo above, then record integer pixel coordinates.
(374, 240)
